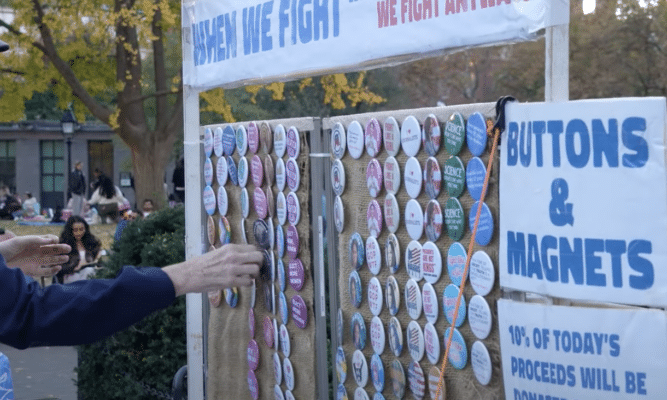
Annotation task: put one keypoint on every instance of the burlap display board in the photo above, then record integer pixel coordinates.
(229, 332)
(460, 384)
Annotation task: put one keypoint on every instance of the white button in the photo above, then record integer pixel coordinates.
(413, 299)
(392, 175)
(359, 368)
(431, 262)
(414, 219)
(375, 298)
(415, 339)
(392, 216)
(392, 136)
(413, 260)
(430, 303)
(355, 139)
(479, 317)
(413, 177)
(377, 335)
(338, 140)
(279, 140)
(481, 362)
(410, 136)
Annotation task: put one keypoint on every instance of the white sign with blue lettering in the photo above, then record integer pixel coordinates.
(228, 43)
(558, 352)
(583, 200)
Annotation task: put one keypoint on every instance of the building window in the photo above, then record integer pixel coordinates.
(8, 164)
(52, 168)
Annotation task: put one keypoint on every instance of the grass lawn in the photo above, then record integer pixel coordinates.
(104, 232)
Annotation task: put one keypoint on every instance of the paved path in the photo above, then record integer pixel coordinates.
(42, 372)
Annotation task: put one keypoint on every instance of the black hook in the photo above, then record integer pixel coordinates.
(500, 112)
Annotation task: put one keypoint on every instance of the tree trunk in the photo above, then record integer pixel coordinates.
(149, 160)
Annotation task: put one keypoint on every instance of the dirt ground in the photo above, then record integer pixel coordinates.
(104, 232)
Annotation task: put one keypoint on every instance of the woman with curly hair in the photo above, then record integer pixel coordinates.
(86, 250)
(108, 199)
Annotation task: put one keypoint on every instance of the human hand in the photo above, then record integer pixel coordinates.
(35, 255)
(229, 266)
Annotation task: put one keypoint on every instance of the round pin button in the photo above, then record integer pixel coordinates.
(454, 218)
(358, 330)
(414, 219)
(293, 209)
(373, 255)
(458, 353)
(359, 368)
(233, 172)
(456, 262)
(210, 229)
(267, 325)
(225, 230)
(356, 251)
(280, 241)
(339, 326)
(269, 173)
(393, 296)
(221, 171)
(288, 373)
(282, 276)
(244, 233)
(374, 177)
(482, 274)
(377, 335)
(430, 303)
(260, 203)
(292, 242)
(397, 376)
(277, 391)
(281, 208)
(338, 177)
(433, 382)
(415, 339)
(245, 203)
(251, 322)
(293, 174)
(265, 137)
(479, 317)
(241, 137)
(253, 355)
(431, 262)
(475, 173)
(341, 392)
(392, 175)
(431, 135)
(296, 274)
(413, 177)
(279, 140)
(413, 299)
(208, 142)
(454, 133)
(449, 298)
(208, 171)
(481, 362)
(413, 260)
(432, 178)
(375, 296)
(281, 176)
(410, 136)
(215, 298)
(374, 218)
(253, 137)
(433, 220)
(341, 365)
(392, 215)
(416, 380)
(476, 134)
(395, 336)
(217, 142)
(299, 312)
(289, 395)
(392, 253)
(354, 289)
(454, 174)
(208, 197)
(485, 227)
(338, 140)
(282, 306)
(252, 385)
(339, 214)
(355, 139)
(243, 172)
(223, 202)
(373, 137)
(377, 368)
(256, 170)
(293, 142)
(431, 343)
(277, 373)
(392, 136)
(360, 394)
(285, 344)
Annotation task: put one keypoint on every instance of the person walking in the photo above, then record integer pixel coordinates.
(77, 188)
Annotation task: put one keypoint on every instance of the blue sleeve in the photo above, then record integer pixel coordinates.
(80, 312)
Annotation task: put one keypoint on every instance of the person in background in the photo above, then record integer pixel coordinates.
(98, 175)
(31, 207)
(147, 208)
(10, 203)
(108, 198)
(127, 215)
(178, 179)
(77, 188)
(86, 250)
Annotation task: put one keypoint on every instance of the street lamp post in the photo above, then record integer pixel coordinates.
(67, 123)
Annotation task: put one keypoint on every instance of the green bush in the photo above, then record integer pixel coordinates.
(140, 362)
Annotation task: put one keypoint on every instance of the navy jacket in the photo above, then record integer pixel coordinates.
(80, 312)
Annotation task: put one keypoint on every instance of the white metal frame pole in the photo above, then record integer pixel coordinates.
(557, 64)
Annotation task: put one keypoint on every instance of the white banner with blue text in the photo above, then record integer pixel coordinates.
(583, 200)
(558, 352)
(228, 43)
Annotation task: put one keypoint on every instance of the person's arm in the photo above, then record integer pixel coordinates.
(95, 198)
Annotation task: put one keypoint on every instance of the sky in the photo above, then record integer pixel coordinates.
(589, 6)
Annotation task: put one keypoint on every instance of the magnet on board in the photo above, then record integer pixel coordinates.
(281, 176)
(293, 209)
(431, 135)
(481, 362)
(373, 255)
(395, 336)
(256, 170)
(296, 274)
(454, 218)
(485, 227)
(413, 299)
(253, 355)
(482, 273)
(259, 201)
(476, 134)
(278, 375)
(242, 170)
(374, 218)
(208, 172)
(285, 344)
(454, 174)
(354, 289)
(479, 317)
(433, 382)
(393, 295)
(397, 379)
(282, 276)
(413, 260)
(233, 172)
(208, 197)
(253, 386)
(475, 174)
(374, 177)
(215, 298)
(416, 380)
(449, 297)
(340, 326)
(282, 306)
(339, 214)
(280, 241)
(241, 138)
(341, 365)
(359, 368)
(430, 303)
(208, 142)
(377, 335)
(412, 177)
(260, 231)
(221, 171)
(269, 172)
(377, 370)
(293, 142)
(415, 338)
(288, 374)
(225, 230)
(431, 262)
(356, 251)
(432, 177)
(281, 208)
(232, 296)
(338, 177)
(358, 331)
(360, 394)
(454, 133)
(414, 219)
(433, 220)
(211, 230)
(431, 343)
(456, 263)
(265, 137)
(223, 202)
(293, 174)
(458, 354)
(217, 142)
(299, 312)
